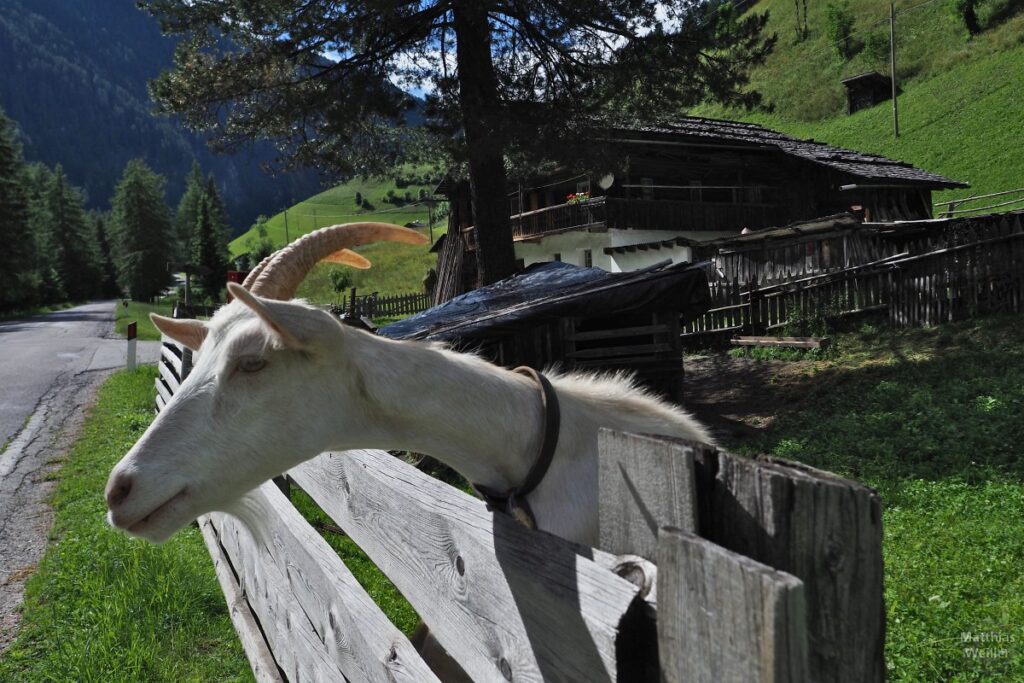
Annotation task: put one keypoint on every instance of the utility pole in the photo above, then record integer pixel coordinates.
(892, 68)
(430, 218)
(286, 240)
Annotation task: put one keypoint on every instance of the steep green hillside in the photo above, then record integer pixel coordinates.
(960, 101)
(397, 268)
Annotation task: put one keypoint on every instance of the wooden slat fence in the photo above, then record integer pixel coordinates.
(922, 285)
(711, 567)
(392, 305)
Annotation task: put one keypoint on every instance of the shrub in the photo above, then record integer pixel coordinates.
(967, 10)
(876, 47)
(838, 26)
(340, 280)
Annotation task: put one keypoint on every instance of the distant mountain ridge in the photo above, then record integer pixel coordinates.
(73, 76)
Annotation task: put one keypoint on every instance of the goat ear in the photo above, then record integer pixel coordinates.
(188, 333)
(266, 315)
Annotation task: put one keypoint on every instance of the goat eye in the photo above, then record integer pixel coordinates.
(251, 364)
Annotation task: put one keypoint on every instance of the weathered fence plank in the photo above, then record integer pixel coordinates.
(170, 379)
(319, 621)
(506, 602)
(261, 660)
(645, 483)
(822, 529)
(723, 617)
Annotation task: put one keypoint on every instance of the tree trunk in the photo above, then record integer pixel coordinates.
(485, 142)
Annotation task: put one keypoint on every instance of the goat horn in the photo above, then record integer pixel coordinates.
(250, 279)
(280, 277)
(345, 257)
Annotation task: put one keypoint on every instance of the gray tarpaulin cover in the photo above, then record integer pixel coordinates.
(547, 291)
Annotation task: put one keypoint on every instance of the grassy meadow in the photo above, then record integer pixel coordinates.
(931, 419)
(960, 101)
(105, 608)
(139, 312)
(396, 269)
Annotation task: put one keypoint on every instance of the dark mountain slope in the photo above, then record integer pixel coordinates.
(73, 75)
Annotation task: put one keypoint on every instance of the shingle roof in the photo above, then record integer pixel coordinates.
(871, 167)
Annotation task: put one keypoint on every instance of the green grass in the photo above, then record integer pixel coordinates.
(139, 312)
(103, 607)
(372, 579)
(397, 268)
(959, 107)
(338, 205)
(932, 420)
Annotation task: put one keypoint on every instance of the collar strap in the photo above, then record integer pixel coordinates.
(513, 501)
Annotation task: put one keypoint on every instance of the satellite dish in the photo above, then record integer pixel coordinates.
(606, 181)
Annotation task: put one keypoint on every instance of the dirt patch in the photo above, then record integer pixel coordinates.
(738, 398)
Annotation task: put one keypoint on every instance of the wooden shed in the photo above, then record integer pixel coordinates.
(573, 317)
(864, 91)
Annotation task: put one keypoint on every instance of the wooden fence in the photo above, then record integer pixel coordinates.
(376, 306)
(941, 285)
(711, 567)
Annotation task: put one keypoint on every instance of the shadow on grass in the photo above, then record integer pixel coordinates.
(1002, 12)
(946, 403)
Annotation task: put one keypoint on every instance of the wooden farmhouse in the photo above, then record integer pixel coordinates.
(679, 185)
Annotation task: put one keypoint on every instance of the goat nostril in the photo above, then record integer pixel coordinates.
(119, 490)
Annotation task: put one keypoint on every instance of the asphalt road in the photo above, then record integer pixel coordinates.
(50, 368)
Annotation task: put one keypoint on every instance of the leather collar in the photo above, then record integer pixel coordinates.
(513, 501)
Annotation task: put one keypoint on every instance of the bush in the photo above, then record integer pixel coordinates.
(340, 280)
(838, 26)
(876, 47)
(967, 10)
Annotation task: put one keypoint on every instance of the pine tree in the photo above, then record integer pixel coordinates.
(37, 180)
(18, 279)
(539, 78)
(188, 211)
(142, 232)
(108, 273)
(72, 240)
(209, 248)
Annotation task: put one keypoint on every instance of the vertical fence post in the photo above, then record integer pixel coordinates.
(822, 529)
(644, 483)
(133, 328)
(725, 617)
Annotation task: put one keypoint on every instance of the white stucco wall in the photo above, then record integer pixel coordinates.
(571, 246)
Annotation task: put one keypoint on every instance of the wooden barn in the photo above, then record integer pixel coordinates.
(681, 184)
(574, 317)
(864, 91)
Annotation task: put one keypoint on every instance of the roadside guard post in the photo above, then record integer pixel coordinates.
(132, 333)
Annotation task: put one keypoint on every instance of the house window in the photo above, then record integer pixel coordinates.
(647, 188)
(557, 257)
(583, 186)
(588, 258)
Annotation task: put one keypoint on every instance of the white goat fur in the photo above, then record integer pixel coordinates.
(326, 386)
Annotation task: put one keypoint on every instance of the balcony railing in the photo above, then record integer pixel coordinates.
(640, 214)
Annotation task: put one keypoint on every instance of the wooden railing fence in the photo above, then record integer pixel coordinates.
(942, 285)
(711, 567)
(392, 305)
(638, 214)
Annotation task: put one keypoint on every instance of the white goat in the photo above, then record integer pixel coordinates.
(277, 382)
